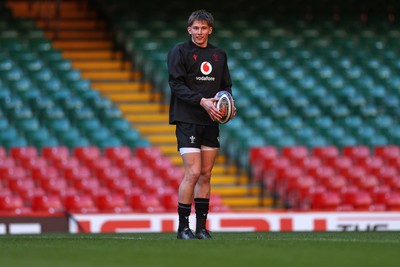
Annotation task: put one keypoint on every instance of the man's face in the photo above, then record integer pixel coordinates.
(200, 32)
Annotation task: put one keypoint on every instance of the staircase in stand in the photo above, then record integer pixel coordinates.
(86, 42)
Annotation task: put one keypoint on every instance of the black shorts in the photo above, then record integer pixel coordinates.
(195, 136)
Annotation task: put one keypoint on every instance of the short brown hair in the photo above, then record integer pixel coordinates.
(201, 15)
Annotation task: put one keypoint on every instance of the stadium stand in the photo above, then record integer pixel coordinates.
(316, 85)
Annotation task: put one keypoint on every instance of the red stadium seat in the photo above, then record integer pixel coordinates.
(335, 183)
(325, 200)
(66, 163)
(172, 176)
(147, 153)
(5, 191)
(372, 164)
(113, 203)
(80, 204)
(99, 163)
(117, 154)
(323, 172)
(34, 162)
(140, 173)
(21, 153)
(395, 163)
(390, 199)
(340, 163)
(55, 153)
(11, 173)
(297, 189)
(5, 165)
(13, 204)
(151, 185)
(77, 173)
(128, 163)
(146, 203)
(326, 152)
(160, 164)
(48, 203)
(392, 181)
(28, 193)
(86, 153)
(387, 153)
(107, 173)
(3, 152)
(44, 173)
(118, 184)
(356, 153)
(271, 170)
(310, 164)
(54, 184)
(86, 185)
(169, 200)
(59, 187)
(295, 153)
(359, 200)
(367, 183)
(283, 177)
(387, 173)
(354, 173)
(258, 155)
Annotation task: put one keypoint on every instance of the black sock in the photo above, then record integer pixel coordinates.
(202, 205)
(184, 213)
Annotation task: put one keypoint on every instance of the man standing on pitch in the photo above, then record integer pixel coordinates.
(197, 71)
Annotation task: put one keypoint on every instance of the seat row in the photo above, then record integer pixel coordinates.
(89, 180)
(326, 178)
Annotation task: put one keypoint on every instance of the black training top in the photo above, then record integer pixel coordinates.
(194, 73)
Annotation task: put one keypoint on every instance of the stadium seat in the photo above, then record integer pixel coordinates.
(108, 172)
(146, 153)
(55, 153)
(146, 203)
(85, 185)
(297, 189)
(80, 204)
(356, 152)
(385, 196)
(256, 157)
(113, 203)
(13, 204)
(295, 153)
(12, 173)
(97, 164)
(44, 173)
(321, 199)
(172, 176)
(77, 173)
(86, 153)
(21, 153)
(34, 162)
(325, 153)
(47, 203)
(118, 154)
(3, 153)
(358, 199)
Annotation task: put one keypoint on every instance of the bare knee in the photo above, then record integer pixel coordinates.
(205, 177)
(192, 177)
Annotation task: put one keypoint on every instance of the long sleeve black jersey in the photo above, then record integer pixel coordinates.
(194, 73)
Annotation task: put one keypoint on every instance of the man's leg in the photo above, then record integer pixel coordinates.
(192, 167)
(202, 191)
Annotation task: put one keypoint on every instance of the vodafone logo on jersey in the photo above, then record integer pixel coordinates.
(206, 68)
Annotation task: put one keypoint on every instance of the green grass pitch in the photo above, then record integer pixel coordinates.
(226, 249)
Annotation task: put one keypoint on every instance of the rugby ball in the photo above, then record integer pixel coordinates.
(224, 105)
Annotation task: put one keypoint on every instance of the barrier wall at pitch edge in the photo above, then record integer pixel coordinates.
(239, 222)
